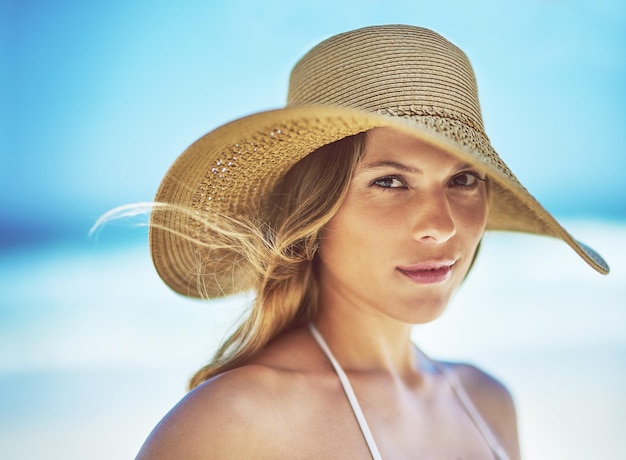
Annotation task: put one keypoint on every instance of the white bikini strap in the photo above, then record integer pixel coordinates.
(471, 410)
(347, 388)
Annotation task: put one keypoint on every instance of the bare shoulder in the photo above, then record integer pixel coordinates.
(254, 411)
(494, 402)
(234, 415)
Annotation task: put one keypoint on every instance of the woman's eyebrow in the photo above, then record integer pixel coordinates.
(389, 164)
(402, 167)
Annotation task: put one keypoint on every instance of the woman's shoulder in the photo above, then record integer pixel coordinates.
(479, 383)
(240, 413)
(492, 399)
(225, 417)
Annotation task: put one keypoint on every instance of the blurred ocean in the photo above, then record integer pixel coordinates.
(94, 349)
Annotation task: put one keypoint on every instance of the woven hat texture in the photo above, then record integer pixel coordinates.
(405, 77)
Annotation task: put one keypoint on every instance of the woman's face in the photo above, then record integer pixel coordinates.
(404, 238)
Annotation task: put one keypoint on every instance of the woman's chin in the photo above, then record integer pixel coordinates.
(422, 312)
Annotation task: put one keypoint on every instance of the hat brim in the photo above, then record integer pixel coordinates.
(231, 169)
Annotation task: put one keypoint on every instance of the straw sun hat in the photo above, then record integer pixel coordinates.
(404, 77)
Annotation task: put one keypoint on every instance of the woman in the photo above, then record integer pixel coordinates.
(354, 213)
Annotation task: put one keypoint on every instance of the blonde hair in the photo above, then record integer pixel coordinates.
(280, 248)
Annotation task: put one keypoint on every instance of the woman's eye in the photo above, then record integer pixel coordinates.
(389, 182)
(466, 179)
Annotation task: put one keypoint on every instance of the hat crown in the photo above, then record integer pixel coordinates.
(387, 69)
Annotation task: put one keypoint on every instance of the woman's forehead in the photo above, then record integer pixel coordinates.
(390, 148)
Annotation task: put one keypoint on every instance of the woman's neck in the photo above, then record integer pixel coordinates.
(368, 342)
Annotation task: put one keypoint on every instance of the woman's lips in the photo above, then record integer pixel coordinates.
(428, 273)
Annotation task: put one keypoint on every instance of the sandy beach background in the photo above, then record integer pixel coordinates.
(94, 349)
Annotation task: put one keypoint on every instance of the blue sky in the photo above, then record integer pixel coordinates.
(99, 97)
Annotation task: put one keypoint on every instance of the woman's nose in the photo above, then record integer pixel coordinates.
(432, 217)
